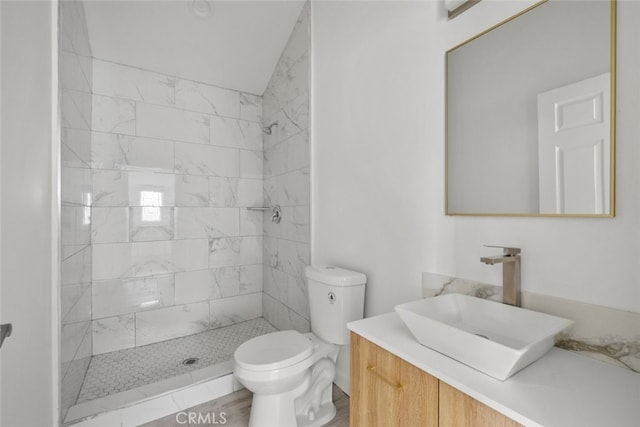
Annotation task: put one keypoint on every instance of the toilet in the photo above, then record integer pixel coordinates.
(291, 374)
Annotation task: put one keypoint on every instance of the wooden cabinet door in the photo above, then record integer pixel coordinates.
(458, 409)
(386, 391)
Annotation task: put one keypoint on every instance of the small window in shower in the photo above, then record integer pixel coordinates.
(151, 202)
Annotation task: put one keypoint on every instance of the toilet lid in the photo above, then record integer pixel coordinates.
(273, 351)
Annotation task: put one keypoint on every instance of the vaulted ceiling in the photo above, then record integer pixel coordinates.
(237, 46)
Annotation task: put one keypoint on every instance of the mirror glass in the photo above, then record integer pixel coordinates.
(531, 115)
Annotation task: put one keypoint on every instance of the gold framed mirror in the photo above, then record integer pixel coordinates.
(530, 114)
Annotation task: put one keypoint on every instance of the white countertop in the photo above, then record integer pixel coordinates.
(561, 389)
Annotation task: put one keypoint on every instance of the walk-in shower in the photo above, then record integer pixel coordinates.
(167, 265)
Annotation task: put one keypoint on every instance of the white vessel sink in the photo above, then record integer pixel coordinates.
(494, 338)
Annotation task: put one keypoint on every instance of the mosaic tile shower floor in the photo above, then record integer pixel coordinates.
(118, 371)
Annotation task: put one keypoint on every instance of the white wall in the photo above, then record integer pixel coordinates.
(30, 355)
(378, 163)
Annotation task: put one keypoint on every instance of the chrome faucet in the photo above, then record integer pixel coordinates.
(510, 260)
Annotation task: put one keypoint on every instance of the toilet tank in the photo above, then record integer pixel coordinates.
(336, 297)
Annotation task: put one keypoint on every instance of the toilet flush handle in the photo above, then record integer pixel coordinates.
(332, 297)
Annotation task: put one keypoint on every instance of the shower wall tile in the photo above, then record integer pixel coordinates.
(71, 338)
(75, 303)
(270, 251)
(76, 107)
(293, 257)
(113, 115)
(171, 322)
(207, 99)
(204, 285)
(250, 193)
(74, 36)
(282, 317)
(121, 81)
(275, 284)
(113, 151)
(297, 298)
(110, 188)
(75, 225)
(286, 182)
(72, 379)
(275, 159)
(227, 311)
(68, 158)
(109, 225)
(113, 333)
(123, 260)
(120, 188)
(77, 142)
(223, 192)
(156, 121)
(195, 223)
(251, 107)
(296, 223)
(250, 279)
(196, 159)
(235, 133)
(192, 190)
(251, 250)
(298, 151)
(229, 251)
(124, 296)
(173, 162)
(224, 251)
(293, 188)
(270, 191)
(75, 186)
(251, 222)
(151, 223)
(76, 264)
(251, 164)
(72, 73)
(75, 78)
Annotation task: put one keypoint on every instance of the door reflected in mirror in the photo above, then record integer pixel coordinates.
(531, 114)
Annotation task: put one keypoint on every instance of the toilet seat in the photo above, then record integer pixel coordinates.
(273, 351)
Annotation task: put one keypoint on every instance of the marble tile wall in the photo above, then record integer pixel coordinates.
(603, 333)
(174, 164)
(75, 74)
(286, 182)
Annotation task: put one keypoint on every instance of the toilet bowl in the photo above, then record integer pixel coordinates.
(287, 393)
(291, 374)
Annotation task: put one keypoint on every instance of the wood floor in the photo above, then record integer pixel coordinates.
(236, 407)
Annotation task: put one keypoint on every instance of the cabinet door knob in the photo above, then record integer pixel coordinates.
(392, 383)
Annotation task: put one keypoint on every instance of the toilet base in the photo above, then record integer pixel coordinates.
(323, 415)
(273, 410)
(278, 410)
(310, 404)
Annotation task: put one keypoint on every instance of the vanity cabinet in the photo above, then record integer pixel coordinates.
(387, 391)
(458, 409)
